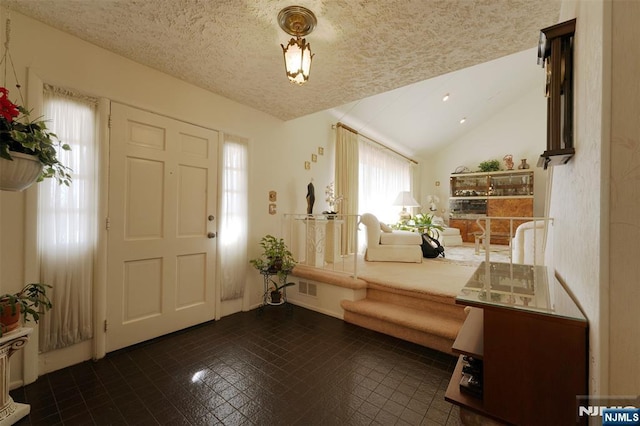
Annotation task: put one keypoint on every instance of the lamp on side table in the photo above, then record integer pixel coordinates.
(405, 199)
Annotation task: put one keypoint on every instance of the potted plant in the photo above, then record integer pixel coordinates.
(275, 257)
(28, 304)
(276, 289)
(422, 223)
(332, 200)
(27, 148)
(489, 166)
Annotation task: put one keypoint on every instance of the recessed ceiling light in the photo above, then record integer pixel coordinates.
(462, 120)
(445, 98)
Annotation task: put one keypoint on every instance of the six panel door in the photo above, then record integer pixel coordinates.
(161, 249)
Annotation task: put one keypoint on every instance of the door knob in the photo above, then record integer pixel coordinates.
(211, 218)
(212, 234)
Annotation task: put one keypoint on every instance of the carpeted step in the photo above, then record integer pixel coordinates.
(436, 330)
(418, 301)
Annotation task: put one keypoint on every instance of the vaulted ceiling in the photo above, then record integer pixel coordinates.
(362, 48)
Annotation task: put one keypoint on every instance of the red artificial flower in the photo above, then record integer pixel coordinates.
(8, 110)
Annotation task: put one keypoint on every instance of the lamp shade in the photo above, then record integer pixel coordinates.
(297, 60)
(405, 199)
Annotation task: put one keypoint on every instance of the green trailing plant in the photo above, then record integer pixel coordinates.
(489, 166)
(422, 223)
(19, 134)
(275, 258)
(32, 302)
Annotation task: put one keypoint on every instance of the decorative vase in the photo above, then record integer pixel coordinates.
(508, 161)
(523, 164)
(19, 174)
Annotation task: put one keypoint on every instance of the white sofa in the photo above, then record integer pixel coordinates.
(448, 237)
(527, 246)
(390, 245)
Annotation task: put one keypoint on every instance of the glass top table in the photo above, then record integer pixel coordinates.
(521, 287)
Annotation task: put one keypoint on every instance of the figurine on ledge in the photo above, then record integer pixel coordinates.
(311, 197)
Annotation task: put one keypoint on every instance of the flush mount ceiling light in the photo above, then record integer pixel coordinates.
(445, 98)
(297, 21)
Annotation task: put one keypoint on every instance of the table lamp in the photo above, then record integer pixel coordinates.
(405, 199)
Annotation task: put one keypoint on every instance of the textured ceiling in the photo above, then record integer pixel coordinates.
(362, 48)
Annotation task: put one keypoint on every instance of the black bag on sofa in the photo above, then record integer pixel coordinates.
(431, 247)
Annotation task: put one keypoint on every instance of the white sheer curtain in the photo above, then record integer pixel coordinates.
(234, 217)
(383, 175)
(67, 222)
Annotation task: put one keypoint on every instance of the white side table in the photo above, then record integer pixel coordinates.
(315, 230)
(332, 241)
(322, 241)
(10, 411)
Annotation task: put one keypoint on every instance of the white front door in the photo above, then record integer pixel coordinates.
(162, 246)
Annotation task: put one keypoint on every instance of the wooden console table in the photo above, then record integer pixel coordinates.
(10, 411)
(531, 340)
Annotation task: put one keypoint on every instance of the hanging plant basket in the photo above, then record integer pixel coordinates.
(20, 173)
(21, 137)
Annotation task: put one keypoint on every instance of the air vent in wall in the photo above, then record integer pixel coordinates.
(312, 290)
(307, 288)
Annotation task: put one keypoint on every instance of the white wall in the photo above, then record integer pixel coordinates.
(280, 167)
(519, 130)
(277, 149)
(579, 200)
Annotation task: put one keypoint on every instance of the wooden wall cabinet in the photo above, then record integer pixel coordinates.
(468, 228)
(532, 341)
(495, 194)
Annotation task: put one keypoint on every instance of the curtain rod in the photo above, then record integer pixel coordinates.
(344, 126)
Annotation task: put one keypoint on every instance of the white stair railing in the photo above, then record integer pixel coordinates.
(535, 247)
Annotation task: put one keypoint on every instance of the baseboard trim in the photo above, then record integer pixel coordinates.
(66, 357)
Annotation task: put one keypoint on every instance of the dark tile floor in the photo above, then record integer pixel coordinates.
(278, 367)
